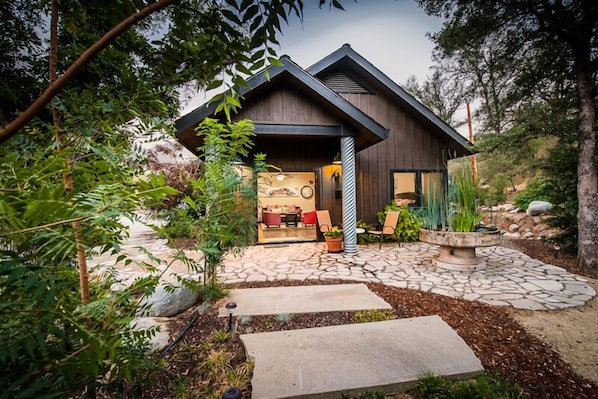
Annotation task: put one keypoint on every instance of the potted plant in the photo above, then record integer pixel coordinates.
(334, 239)
(455, 227)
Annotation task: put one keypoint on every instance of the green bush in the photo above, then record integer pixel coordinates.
(180, 223)
(483, 386)
(536, 190)
(368, 316)
(408, 224)
(365, 238)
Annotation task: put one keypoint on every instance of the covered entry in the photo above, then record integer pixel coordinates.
(286, 207)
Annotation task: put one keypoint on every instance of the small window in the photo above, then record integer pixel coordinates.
(404, 188)
(432, 184)
(416, 188)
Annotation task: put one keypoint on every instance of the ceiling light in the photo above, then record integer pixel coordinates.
(337, 159)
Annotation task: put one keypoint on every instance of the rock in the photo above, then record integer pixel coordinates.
(513, 235)
(538, 207)
(506, 207)
(529, 234)
(539, 228)
(166, 303)
(513, 228)
(162, 337)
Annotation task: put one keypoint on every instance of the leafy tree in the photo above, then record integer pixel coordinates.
(542, 47)
(69, 171)
(225, 194)
(442, 95)
(174, 42)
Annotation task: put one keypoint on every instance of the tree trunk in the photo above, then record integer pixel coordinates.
(587, 175)
(58, 136)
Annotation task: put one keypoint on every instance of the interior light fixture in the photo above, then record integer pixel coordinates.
(337, 159)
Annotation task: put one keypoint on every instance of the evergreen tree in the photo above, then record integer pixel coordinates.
(539, 48)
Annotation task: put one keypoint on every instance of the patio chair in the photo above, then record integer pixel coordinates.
(324, 222)
(390, 225)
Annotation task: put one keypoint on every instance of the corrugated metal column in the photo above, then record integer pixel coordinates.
(349, 194)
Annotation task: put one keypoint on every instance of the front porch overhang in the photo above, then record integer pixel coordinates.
(351, 120)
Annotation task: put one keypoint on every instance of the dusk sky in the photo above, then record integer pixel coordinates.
(391, 34)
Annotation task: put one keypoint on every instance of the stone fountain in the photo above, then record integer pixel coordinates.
(457, 249)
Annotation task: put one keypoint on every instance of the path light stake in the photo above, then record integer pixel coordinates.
(232, 393)
(230, 306)
(557, 248)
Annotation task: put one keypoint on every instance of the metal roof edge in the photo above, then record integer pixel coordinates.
(347, 51)
(207, 109)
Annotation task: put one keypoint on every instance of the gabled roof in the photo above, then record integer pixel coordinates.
(370, 131)
(346, 59)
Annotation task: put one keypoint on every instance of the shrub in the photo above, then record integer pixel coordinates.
(368, 316)
(483, 386)
(365, 238)
(408, 225)
(536, 190)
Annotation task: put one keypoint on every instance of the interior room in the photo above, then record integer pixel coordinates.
(286, 207)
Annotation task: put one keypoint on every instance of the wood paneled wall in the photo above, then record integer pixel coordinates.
(289, 105)
(410, 146)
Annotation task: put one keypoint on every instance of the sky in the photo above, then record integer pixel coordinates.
(391, 34)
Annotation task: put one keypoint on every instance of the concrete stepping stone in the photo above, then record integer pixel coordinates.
(303, 299)
(387, 356)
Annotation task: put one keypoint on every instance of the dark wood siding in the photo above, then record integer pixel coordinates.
(288, 105)
(410, 146)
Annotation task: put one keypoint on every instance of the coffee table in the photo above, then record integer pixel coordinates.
(291, 219)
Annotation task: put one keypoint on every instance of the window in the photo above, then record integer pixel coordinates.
(432, 188)
(415, 187)
(404, 188)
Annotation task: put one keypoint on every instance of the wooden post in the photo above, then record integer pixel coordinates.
(474, 166)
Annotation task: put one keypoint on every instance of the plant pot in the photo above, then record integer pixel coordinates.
(334, 244)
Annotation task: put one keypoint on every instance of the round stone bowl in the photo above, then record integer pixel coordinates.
(457, 250)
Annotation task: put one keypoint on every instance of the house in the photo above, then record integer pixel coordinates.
(351, 139)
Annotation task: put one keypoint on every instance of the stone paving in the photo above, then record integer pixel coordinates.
(511, 278)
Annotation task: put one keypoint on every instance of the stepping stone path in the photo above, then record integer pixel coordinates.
(326, 362)
(306, 299)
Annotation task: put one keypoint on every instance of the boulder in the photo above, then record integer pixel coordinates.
(169, 302)
(513, 228)
(538, 208)
(162, 338)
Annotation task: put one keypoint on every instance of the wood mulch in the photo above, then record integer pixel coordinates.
(503, 346)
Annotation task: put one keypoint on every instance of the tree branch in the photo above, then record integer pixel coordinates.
(44, 226)
(53, 89)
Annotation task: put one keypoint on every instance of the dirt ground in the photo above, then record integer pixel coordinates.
(572, 333)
